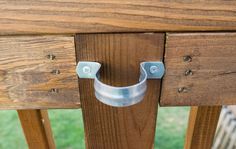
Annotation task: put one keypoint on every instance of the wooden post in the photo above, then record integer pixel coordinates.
(201, 128)
(108, 127)
(37, 129)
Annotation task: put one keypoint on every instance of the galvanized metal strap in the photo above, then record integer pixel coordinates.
(120, 96)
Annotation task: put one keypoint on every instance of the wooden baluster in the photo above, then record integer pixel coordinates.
(201, 127)
(37, 129)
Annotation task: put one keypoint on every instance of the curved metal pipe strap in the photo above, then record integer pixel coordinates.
(120, 96)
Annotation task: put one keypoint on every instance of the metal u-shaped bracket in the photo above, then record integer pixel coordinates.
(120, 96)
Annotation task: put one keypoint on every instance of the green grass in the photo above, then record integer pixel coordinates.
(68, 131)
(171, 128)
(11, 136)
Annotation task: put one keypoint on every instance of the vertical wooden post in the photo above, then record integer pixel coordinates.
(109, 127)
(201, 128)
(37, 129)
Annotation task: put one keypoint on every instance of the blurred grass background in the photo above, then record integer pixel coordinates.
(67, 126)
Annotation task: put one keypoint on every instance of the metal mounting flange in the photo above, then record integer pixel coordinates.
(120, 96)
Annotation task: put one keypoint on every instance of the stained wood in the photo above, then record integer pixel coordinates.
(63, 16)
(201, 128)
(213, 67)
(30, 79)
(108, 127)
(37, 129)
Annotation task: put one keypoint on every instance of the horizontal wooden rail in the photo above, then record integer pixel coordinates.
(38, 72)
(200, 69)
(63, 16)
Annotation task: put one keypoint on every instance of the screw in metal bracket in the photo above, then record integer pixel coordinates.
(153, 69)
(86, 69)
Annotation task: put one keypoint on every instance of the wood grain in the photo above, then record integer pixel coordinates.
(201, 128)
(108, 127)
(37, 129)
(213, 67)
(29, 79)
(73, 16)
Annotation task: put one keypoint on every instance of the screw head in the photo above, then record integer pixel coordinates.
(55, 71)
(188, 72)
(86, 69)
(153, 69)
(187, 58)
(54, 90)
(182, 90)
(51, 56)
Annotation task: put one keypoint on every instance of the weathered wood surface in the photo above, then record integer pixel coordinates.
(30, 78)
(202, 126)
(73, 16)
(37, 129)
(208, 77)
(108, 127)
